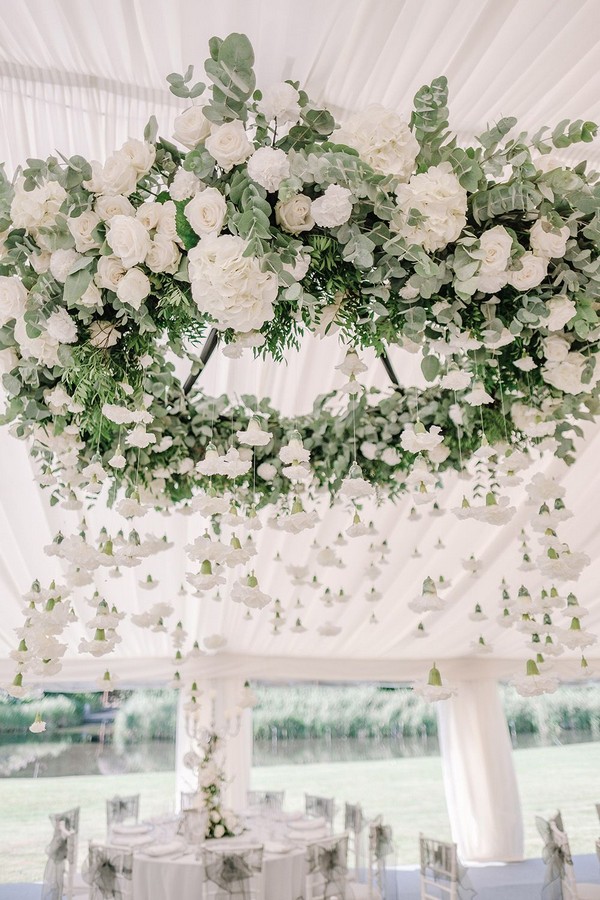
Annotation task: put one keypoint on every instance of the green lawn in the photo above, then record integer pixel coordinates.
(407, 792)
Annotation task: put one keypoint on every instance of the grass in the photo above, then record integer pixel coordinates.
(407, 792)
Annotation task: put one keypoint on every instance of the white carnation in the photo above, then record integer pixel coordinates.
(228, 144)
(281, 102)
(229, 286)
(191, 127)
(128, 239)
(206, 211)
(61, 327)
(61, 263)
(333, 208)
(382, 139)
(268, 166)
(184, 185)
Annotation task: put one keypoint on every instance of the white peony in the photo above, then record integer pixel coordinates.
(269, 166)
(82, 228)
(134, 287)
(281, 102)
(140, 154)
(191, 127)
(109, 273)
(438, 197)
(184, 185)
(228, 144)
(163, 255)
(556, 348)
(333, 208)
(382, 140)
(206, 211)
(61, 327)
(61, 263)
(13, 299)
(128, 239)
(495, 245)
(229, 286)
(547, 241)
(532, 272)
(561, 309)
(113, 205)
(567, 374)
(295, 214)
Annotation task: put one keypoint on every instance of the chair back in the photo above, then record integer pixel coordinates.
(327, 868)
(354, 824)
(381, 853)
(439, 869)
(61, 864)
(108, 871)
(69, 819)
(267, 800)
(320, 807)
(118, 809)
(187, 800)
(598, 809)
(559, 880)
(233, 873)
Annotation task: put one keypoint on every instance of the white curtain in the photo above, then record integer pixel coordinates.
(238, 749)
(479, 776)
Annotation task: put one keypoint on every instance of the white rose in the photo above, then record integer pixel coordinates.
(382, 139)
(13, 298)
(42, 348)
(163, 255)
(548, 242)
(109, 273)
(495, 245)
(191, 127)
(113, 205)
(300, 267)
(133, 287)
(141, 155)
(219, 831)
(532, 272)
(103, 334)
(61, 263)
(295, 214)
(556, 348)
(333, 208)
(8, 360)
(228, 144)
(40, 262)
(61, 327)
(229, 286)
(281, 102)
(561, 310)
(128, 239)
(438, 196)
(118, 175)
(567, 374)
(91, 297)
(81, 228)
(492, 283)
(269, 166)
(184, 185)
(167, 224)
(206, 211)
(149, 215)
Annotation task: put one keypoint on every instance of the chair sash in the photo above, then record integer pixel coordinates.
(439, 861)
(319, 806)
(120, 808)
(559, 880)
(330, 861)
(58, 851)
(108, 871)
(232, 872)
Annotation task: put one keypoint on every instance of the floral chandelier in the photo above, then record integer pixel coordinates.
(263, 221)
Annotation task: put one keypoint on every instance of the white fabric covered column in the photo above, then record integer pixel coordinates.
(479, 776)
(238, 749)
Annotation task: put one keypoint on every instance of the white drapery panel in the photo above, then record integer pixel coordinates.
(479, 777)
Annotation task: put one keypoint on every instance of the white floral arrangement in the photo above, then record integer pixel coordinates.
(211, 778)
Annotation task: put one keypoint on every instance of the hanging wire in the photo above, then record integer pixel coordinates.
(458, 431)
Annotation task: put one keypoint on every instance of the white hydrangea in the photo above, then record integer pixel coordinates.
(382, 139)
(437, 196)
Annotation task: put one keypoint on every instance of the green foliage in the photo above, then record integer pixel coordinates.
(58, 711)
(429, 120)
(146, 716)
(230, 68)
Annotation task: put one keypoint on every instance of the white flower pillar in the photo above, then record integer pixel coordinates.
(237, 748)
(479, 776)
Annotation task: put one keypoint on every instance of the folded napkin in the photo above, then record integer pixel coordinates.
(131, 829)
(315, 824)
(164, 849)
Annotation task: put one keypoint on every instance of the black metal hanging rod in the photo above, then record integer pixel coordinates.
(207, 351)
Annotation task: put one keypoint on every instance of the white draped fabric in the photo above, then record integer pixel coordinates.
(479, 778)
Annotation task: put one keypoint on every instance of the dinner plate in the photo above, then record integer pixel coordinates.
(142, 828)
(308, 824)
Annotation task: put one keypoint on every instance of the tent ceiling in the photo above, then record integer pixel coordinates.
(82, 78)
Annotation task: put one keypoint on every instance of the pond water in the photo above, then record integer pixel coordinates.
(81, 753)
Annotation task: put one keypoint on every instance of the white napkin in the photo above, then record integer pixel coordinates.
(131, 829)
(164, 849)
(316, 824)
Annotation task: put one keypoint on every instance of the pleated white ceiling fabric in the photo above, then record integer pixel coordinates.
(81, 78)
